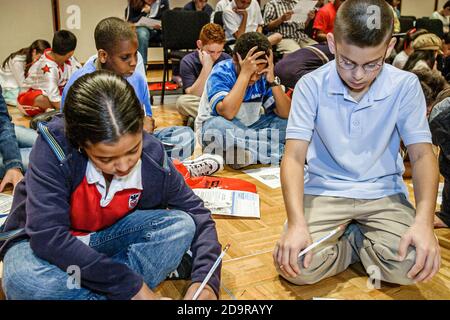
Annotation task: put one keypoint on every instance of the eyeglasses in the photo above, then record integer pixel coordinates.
(368, 67)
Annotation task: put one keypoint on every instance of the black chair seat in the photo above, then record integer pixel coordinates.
(181, 29)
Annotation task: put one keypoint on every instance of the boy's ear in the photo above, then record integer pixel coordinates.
(391, 47)
(199, 44)
(102, 56)
(331, 43)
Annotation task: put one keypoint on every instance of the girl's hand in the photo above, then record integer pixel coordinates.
(206, 294)
(146, 294)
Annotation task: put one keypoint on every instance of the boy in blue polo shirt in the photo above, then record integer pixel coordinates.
(347, 120)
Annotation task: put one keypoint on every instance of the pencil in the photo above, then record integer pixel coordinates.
(315, 244)
(210, 273)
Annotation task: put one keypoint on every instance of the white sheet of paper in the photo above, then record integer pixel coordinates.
(148, 22)
(5, 206)
(302, 9)
(439, 196)
(230, 202)
(270, 176)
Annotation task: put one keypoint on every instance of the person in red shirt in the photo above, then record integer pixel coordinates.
(324, 22)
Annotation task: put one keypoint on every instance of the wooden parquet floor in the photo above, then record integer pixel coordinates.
(248, 272)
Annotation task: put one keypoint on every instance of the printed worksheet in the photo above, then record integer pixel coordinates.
(230, 202)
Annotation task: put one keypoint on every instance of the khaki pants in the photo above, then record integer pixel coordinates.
(373, 238)
(290, 45)
(187, 105)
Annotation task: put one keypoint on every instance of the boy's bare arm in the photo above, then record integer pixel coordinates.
(229, 107)
(296, 236)
(243, 13)
(421, 234)
(282, 101)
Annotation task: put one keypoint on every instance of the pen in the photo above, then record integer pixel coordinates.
(315, 244)
(210, 273)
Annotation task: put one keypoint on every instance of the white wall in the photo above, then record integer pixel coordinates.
(82, 16)
(22, 22)
(417, 8)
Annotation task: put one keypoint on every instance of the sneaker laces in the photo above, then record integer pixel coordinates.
(204, 168)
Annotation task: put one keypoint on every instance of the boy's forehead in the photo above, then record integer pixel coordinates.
(125, 46)
(359, 54)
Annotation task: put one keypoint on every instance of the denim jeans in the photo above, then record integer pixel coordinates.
(25, 139)
(151, 243)
(145, 36)
(179, 142)
(264, 139)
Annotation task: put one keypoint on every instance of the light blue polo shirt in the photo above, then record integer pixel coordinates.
(354, 146)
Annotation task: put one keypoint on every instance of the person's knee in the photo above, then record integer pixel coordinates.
(143, 34)
(392, 270)
(184, 226)
(25, 275)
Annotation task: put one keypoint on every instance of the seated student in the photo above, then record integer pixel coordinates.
(116, 44)
(47, 77)
(324, 21)
(243, 110)
(199, 5)
(402, 57)
(309, 30)
(443, 15)
(242, 16)
(294, 66)
(196, 67)
(347, 120)
(15, 68)
(97, 210)
(277, 17)
(146, 8)
(440, 129)
(432, 83)
(426, 49)
(220, 7)
(15, 147)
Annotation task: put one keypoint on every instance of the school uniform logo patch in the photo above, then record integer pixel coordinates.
(133, 200)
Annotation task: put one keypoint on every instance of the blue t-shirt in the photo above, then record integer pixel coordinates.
(136, 80)
(221, 81)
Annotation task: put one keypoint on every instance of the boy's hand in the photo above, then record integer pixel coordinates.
(285, 255)
(241, 12)
(311, 15)
(269, 71)
(206, 294)
(146, 9)
(205, 59)
(13, 176)
(428, 256)
(149, 124)
(250, 64)
(147, 294)
(287, 15)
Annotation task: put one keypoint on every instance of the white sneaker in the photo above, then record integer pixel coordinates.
(205, 165)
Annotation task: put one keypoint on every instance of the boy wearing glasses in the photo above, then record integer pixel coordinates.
(346, 121)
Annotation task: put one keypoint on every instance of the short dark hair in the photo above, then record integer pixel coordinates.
(432, 83)
(426, 55)
(110, 31)
(446, 5)
(249, 40)
(101, 107)
(64, 42)
(354, 19)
